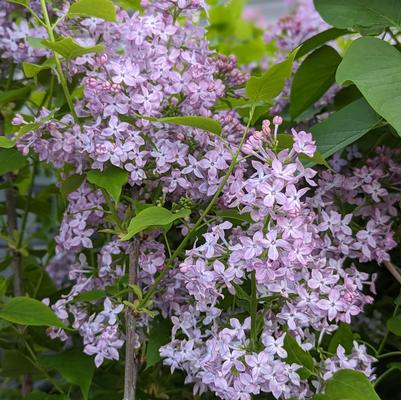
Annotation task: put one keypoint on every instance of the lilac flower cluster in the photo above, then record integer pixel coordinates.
(152, 65)
(16, 33)
(305, 283)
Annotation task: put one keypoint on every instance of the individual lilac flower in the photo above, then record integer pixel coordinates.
(333, 305)
(273, 244)
(275, 346)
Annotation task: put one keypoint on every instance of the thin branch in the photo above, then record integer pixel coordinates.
(131, 366)
(393, 270)
(11, 207)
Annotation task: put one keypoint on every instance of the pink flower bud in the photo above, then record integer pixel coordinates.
(247, 148)
(266, 128)
(91, 82)
(101, 59)
(277, 120)
(18, 120)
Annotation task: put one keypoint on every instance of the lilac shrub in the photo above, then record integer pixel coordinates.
(265, 266)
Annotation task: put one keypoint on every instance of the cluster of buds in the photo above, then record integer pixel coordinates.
(257, 138)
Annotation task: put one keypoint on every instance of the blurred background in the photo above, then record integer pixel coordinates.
(271, 9)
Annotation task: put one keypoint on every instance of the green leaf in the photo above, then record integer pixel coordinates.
(207, 124)
(70, 49)
(31, 70)
(30, 312)
(320, 39)
(271, 83)
(91, 295)
(234, 215)
(348, 385)
(286, 141)
(35, 43)
(24, 3)
(36, 395)
(74, 366)
(10, 160)
(240, 293)
(344, 336)
(112, 179)
(344, 127)
(15, 94)
(313, 78)
(26, 128)
(152, 217)
(15, 363)
(363, 13)
(375, 68)
(160, 333)
(394, 325)
(103, 9)
(71, 184)
(6, 143)
(397, 300)
(295, 354)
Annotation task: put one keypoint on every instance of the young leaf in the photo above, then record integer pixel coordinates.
(74, 366)
(350, 385)
(6, 143)
(15, 94)
(70, 49)
(71, 184)
(153, 217)
(30, 312)
(343, 336)
(10, 160)
(112, 179)
(313, 78)
(320, 39)
(207, 124)
(24, 3)
(159, 336)
(378, 77)
(36, 395)
(241, 294)
(31, 70)
(344, 127)
(295, 354)
(26, 128)
(394, 325)
(271, 83)
(103, 9)
(91, 295)
(364, 13)
(14, 363)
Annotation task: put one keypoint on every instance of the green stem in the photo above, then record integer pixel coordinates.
(254, 311)
(384, 340)
(36, 361)
(27, 206)
(391, 354)
(384, 375)
(152, 290)
(60, 73)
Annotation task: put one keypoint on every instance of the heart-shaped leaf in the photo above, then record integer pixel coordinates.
(30, 312)
(375, 68)
(70, 49)
(153, 217)
(103, 9)
(112, 179)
